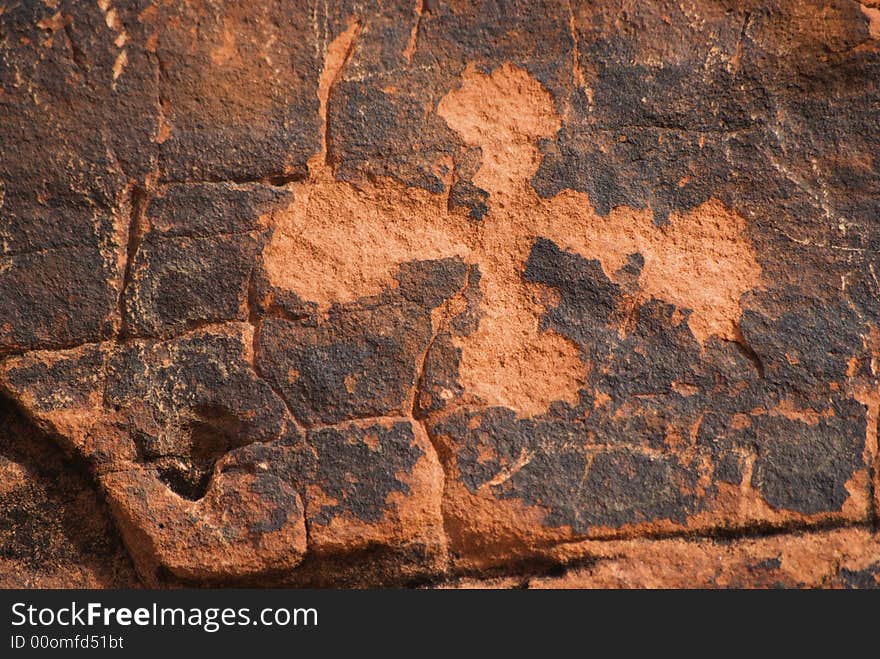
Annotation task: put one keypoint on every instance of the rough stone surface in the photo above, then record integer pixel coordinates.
(470, 293)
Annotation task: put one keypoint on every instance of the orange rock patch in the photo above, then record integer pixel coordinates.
(337, 242)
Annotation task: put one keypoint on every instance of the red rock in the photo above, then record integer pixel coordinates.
(346, 295)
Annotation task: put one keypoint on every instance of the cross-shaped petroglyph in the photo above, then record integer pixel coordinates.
(337, 242)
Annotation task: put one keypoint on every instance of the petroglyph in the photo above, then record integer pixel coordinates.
(337, 242)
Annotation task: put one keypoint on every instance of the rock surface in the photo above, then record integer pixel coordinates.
(557, 294)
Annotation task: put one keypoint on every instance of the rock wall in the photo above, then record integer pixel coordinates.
(557, 293)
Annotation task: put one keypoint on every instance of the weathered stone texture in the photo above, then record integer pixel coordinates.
(369, 294)
(841, 559)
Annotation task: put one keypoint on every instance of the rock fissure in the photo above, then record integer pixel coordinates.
(139, 197)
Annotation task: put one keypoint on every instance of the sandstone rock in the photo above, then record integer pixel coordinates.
(842, 559)
(167, 428)
(236, 89)
(55, 528)
(196, 246)
(392, 294)
(376, 486)
(845, 558)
